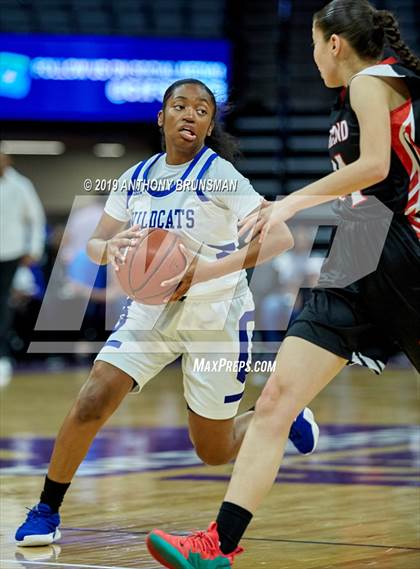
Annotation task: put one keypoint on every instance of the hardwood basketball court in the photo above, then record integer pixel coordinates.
(355, 503)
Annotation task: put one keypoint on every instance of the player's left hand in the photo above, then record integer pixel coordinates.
(263, 220)
(185, 278)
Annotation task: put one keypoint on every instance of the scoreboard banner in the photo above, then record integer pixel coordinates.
(101, 78)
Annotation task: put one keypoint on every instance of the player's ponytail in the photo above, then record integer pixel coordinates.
(366, 29)
(387, 21)
(223, 143)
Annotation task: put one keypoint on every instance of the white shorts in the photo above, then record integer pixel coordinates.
(214, 340)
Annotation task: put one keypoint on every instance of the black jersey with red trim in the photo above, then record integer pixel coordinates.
(400, 191)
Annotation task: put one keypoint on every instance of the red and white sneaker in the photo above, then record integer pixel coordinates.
(199, 550)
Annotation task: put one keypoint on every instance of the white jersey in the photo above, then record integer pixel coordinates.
(201, 201)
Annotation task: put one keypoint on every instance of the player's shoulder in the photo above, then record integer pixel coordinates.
(369, 92)
(363, 83)
(380, 78)
(222, 168)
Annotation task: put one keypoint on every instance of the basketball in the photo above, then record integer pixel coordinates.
(154, 259)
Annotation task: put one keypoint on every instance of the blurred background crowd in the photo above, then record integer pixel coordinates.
(58, 58)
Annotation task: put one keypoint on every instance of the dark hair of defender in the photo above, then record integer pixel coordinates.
(223, 143)
(366, 29)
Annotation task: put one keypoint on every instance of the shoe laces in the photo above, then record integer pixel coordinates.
(34, 515)
(200, 541)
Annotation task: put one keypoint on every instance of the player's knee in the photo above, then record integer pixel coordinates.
(268, 400)
(94, 397)
(213, 455)
(88, 408)
(275, 406)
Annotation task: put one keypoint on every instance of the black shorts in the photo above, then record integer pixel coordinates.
(371, 319)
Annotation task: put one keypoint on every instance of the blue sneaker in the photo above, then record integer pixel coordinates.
(304, 432)
(39, 528)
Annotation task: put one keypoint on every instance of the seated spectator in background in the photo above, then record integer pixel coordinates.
(22, 240)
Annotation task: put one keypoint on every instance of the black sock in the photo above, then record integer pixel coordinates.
(53, 493)
(232, 522)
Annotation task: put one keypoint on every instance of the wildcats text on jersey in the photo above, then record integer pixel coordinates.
(177, 218)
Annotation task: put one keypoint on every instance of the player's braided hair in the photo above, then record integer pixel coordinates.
(223, 143)
(366, 29)
(387, 21)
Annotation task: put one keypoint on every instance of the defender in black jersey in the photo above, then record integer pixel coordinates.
(366, 321)
(374, 146)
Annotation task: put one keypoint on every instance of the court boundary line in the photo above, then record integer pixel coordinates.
(272, 539)
(342, 544)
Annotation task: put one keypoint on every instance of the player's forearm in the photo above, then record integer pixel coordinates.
(351, 178)
(254, 254)
(96, 249)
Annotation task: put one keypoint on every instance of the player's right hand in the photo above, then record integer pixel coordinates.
(117, 247)
(261, 222)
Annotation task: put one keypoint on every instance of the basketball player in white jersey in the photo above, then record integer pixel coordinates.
(147, 338)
